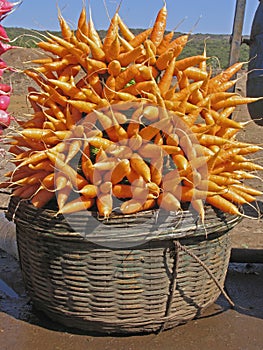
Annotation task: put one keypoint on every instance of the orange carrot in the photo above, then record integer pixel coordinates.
(110, 36)
(122, 190)
(150, 52)
(169, 202)
(138, 165)
(121, 170)
(166, 79)
(159, 26)
(125, 31)
(104, 204)
(133, 205)
(82, 27)
(114, 68)
(162, 47)
(164, 59)
(79, 204)
(41, 198)
(92, 32)
(140, 38)
(189, 61)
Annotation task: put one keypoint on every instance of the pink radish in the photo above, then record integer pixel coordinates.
(4, 102)
(5, 119)
(4, 88)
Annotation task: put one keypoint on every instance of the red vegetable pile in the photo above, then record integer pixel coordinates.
(6, 8)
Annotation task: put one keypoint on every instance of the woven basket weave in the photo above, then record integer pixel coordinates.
(166, 281)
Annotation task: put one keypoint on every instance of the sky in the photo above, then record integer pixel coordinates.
(196, 16)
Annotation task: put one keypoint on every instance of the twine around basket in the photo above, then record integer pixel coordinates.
(166, 281)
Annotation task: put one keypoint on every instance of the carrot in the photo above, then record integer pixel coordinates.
(169, 202)
(125, 76)
(135, 142)
(105, 187)
(114, 68)
(104, 204)
(248, 198)
(180, 161)
(52, 48)
(79, 204)
(150, 150)
(208, 140)
(248, 166)
(104, 164)
(140, 166)
(189, 61)
(133, 206)
(180, 41)
(26, 191)
(159, 26)
(198, 205)
(63, 194)
(151, 113)
(150, 52)
(76, 179)
(69, 89)
(162, 47)
(209, 185)
(109, 88)
(133, 128)
(97, 52)
(156, 170)
(35, 177)
(121, 190)
(124, 45)
(146, 73)
(121, 170)
(110, 36)
(94, 65)
(89, 191)
(235, 196)
(141, 88)
(195, 73)
(166, 79)
(99, 142)
(34, 158)
(114, 49)
(235, 101)
(222, 180)
(150, 131)
(82, 27)
(247, 189)
(92, 32)
(41, 198)
(82, 106)
(140, 38)
(172, 139)
(125, 31)
(224, 76)
(66, 31)
(187, 194)
(164, 59)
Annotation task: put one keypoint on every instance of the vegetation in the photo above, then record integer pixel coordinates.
(217, 45)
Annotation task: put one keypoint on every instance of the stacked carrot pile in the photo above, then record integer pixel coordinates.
(125, 123)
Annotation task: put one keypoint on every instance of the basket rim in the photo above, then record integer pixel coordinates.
(156, 224)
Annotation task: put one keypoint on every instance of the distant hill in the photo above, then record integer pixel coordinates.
(217, 46)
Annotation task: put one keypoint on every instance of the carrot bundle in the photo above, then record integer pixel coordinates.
(139, 126)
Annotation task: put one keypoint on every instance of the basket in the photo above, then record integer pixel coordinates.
(165, 281)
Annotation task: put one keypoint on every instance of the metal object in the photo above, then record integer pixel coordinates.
(255, 66)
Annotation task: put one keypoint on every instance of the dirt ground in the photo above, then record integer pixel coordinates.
(220, 327)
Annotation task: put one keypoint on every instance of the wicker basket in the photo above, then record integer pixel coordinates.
(166, 281)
